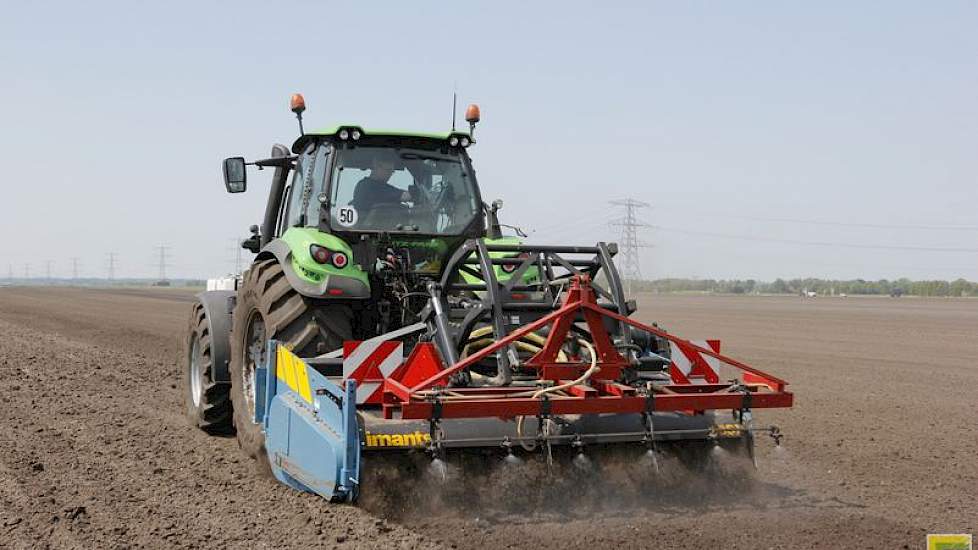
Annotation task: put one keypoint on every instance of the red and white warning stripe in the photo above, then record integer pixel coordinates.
(692, 367)
(369, 362)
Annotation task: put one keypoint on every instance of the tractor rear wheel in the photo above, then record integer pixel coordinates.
(269, 308)
(207, 403)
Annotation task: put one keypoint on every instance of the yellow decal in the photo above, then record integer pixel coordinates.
(302, 379)
(727, 430)
(949, 542)
(416, 439)
(292, 370)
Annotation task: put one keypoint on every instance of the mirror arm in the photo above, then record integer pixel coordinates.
(276, 162)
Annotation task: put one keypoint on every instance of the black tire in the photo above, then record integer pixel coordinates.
(304, 325)
(207, 403)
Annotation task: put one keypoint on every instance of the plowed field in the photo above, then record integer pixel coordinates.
(880, 449)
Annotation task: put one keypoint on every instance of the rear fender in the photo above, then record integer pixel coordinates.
(309, 278)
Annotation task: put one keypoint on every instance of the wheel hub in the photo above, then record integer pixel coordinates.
(196, 385)
(254, 355)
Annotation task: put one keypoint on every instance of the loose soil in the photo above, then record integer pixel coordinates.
(880, 449)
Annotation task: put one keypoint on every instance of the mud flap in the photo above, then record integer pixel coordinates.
(310, 426)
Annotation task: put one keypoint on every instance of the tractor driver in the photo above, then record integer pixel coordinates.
(374, 190)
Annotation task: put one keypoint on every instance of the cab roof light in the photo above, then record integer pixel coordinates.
(472, 115)
(297, 104)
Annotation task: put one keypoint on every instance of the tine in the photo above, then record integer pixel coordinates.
(750, 449)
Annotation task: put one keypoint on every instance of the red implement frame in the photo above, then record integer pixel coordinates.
(601, 394)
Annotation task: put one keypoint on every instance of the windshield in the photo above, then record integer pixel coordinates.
(401, 189)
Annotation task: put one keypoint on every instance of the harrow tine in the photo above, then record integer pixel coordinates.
(581, 460)
(653, 449)
(510, 458)
(746, 422)
(546, 427)
(750, 449)
(550, 456)
(652, 455)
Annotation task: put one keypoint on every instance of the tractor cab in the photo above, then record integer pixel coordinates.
(415, 193)
(404, 199)
(358, 184)
(388, 185)
(377, 185)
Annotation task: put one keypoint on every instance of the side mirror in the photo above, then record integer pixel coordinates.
(235, 175)
(252, 243)
(494, 231)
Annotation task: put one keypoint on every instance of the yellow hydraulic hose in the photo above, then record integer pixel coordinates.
(477, 342)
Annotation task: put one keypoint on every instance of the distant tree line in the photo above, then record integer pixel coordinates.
(883, 287)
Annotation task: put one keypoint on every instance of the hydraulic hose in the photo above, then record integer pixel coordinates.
(533, 345)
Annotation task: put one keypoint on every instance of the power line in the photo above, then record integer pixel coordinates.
(27, 271)
(559, 226)
(111, 265)
(930, 227)
(818, 243)
(235, 252)
(163, 249)
(74, 267)
(10, 272)
(47, 269)
(590, 229)
(631, 265)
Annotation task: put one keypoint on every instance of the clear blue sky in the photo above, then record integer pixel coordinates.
(737, 121)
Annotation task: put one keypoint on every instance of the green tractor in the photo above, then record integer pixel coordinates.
(385, 312)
